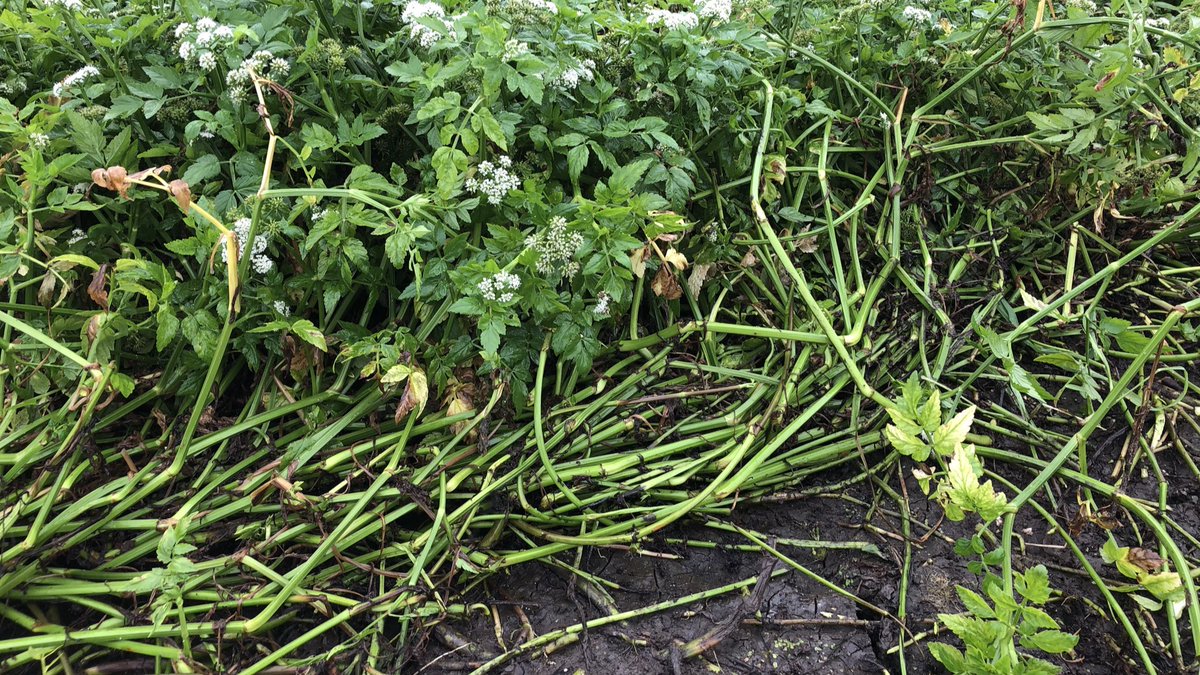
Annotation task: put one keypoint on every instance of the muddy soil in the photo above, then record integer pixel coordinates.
(796, 625)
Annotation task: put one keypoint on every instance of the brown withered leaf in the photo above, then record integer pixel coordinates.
(416, 394)
(45, 294)
(1145, 559)
(806, 244)
(665, 285)
(1105, 80)
(97, 290)
(749, 260)
(93, 326)
(182, 193)
(113, 178)
(152, 171)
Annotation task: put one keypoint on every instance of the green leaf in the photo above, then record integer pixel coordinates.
(1050, 641)
(1034, 585)
(975, 603)
(1164, 585)
(929, 415)
(577, 159)
(952, 659)
(305, 330)
(168, 327)
(626, 178)
(1034, 619)
(949, 436)
(906, 443)
(395, 374)
(202, 169)
(962, 489)
(122, 384)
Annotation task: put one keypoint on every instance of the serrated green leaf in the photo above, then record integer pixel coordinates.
(1050, 641)
(305, 330)
(975, 603)
(949, 436)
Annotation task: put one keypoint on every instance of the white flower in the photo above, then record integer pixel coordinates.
(492, 181)
(1088, 6)
(601, 308)
(38, 140)
(514, 49)
(500, 287)
(73, 79)
(570, 78)
(72, 5)
(556, 248)
(1159, 23)
(917, 15)
(258, 257)
(282, 308)
(531, 6)
(424, 35)
(201, 44)
(671, 20)
(77, 235)
(280, 67)
(714, 9)
(206, 135)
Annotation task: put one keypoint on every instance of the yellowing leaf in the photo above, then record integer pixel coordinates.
(950, 435)
(676, 258)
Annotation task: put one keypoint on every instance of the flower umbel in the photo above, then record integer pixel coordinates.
(494, 180)
(73, 79)
(500, 288)
(556, 249)
(259, 260)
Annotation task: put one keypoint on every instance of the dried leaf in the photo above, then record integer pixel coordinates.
(637, 261)
(1105, 80)
(416, 394)
(665, 285)
(182, 193)
(45, 294)
(93, 326)
(697, 277)
(1145, 559)
(676, 258)
(807, 244)
(97, 290)
(113, 178)
(154, 170)
(749, 260)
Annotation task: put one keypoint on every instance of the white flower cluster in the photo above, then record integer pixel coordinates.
(671, 20)
(261, 63)
(569, 79)
(73, 79)
(500, 288)
(602, 301)
(556, 249)
(199, 44)
(424, 35)
(77, 235)
(258, 257)
(494, 181)
(38, 140)
(70, 5)
(1160, 23)
(1088, 6)
(917, 15)
(531, 6)
(714, 9)
(514, 49)
(281, 308)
